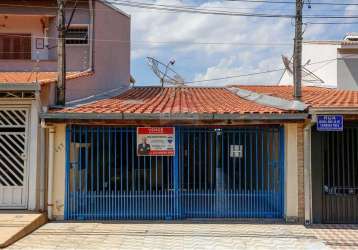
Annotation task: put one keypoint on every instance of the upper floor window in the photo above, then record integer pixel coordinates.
(77, 35)
(15, 46)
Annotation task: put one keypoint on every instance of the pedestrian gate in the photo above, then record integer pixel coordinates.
(335, 175)
(215, 173)
(13, 148)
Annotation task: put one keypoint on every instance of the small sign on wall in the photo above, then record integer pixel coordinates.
(156, 141)
(236, 151)
(330, 122)
(40, 43)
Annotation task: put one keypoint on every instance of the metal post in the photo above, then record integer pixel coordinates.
(297, 56)
(61, 54)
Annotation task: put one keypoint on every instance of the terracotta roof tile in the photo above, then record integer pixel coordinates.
(42, 77)
(317, 97)
(190, 100)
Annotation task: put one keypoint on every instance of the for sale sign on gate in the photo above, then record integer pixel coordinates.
(156, 141)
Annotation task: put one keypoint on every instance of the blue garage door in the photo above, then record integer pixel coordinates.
(215, 173)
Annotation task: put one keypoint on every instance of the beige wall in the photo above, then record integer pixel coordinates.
(59, 172)
(291, 172)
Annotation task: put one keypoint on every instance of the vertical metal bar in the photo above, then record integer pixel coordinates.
(267, 170)
(200, 155)
(176, 172)
(86, 172)
(109, 174)
(275, 177)
(97, 170)
(251, 195)
(67, 174)
(237, 185)
(262, 191)
(211, 174)
(194, 162)
(245, 174)
(92, 177)
(282, 170)
(256, 172)
(228, 189)
(80, 173)
(222, 198)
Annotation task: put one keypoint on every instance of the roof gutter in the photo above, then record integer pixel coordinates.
(168, 116)
(348, 111)
(19, 87)
(268, 100)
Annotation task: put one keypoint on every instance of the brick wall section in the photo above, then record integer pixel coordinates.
(300, 171)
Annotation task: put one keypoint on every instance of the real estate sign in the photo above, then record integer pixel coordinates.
(330, 122)
(156, 141)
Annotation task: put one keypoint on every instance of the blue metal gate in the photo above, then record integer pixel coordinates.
(216, 173)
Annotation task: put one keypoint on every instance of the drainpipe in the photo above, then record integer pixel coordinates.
(91, 36)
(51, 156)
(307, 172)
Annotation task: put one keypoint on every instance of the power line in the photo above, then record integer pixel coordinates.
(177, 8)
(160, 42)
(292, 2)
(331, 23)
(195, 10)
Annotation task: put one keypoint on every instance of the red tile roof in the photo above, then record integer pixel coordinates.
(155, 100)
(316, 97)
(42, 77)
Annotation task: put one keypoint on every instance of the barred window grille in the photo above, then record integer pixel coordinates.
(77, 35)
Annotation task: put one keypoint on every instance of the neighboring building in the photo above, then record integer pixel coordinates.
(327, 64)
(330, 174)
(28, 66)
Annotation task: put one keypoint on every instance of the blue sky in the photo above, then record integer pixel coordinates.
(248, 44)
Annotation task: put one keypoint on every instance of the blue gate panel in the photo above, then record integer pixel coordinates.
(105, 179)
(215, 184)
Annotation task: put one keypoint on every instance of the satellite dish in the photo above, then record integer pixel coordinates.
(165, 74)
(307, 75)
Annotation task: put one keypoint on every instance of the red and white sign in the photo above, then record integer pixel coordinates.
(156, 141)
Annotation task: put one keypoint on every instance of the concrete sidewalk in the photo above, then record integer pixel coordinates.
(171, 236)
(14, 225)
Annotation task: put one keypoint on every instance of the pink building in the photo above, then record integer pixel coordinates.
(98, 63)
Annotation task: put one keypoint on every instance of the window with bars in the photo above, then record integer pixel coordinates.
(77, 35)
(15, 46)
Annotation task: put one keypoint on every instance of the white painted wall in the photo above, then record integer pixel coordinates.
(323, 55)
(26, 24)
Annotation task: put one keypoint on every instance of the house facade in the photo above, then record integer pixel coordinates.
(327, 63)
(239, 152)
(230, 157)
(28, 75)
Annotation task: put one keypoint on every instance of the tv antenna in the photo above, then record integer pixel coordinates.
(307, 75)
(164, 72)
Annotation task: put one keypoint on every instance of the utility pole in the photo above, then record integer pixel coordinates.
(297, 52)
(61, 54)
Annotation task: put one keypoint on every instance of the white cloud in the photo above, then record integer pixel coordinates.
(244, 37)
